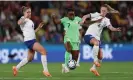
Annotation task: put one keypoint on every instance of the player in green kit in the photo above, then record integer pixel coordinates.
(71, 36)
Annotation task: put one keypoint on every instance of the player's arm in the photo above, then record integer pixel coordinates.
(55, 19)
(39, 26)
(21, 20)
(109, 26)
(114, 29)
(84, 18)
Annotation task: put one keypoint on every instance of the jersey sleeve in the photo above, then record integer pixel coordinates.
(63, 21)
(78, 19)
(93, 15)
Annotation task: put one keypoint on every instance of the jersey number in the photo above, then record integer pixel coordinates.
(68, 25)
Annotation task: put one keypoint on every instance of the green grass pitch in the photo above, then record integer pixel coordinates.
(33, 71)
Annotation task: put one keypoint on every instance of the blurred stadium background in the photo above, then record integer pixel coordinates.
(117, 46)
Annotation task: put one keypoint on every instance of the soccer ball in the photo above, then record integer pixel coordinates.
(71, 64)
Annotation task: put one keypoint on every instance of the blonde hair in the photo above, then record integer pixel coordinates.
(110, 9)
(24, 8)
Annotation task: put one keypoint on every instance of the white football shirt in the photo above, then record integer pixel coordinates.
(28, 29)
(96, 28)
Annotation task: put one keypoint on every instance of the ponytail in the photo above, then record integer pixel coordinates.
(110, 9)
(24, 8)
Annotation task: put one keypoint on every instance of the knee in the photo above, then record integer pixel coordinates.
(30, 59)
(43, 52)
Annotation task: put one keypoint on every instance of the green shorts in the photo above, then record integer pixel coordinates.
(74, 45)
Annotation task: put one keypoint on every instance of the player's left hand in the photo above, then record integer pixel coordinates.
(118, 29)
(41, 24)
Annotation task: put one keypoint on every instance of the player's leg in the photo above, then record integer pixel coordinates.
(95, 44)
(39, 48)
(77, 47)
(93, 69)
(75, 50)
(89, 39)
(95, 49)
(67, 56)
(78, 60)
(24, 61)
(68, 52)
(75, 54)
(100, 55)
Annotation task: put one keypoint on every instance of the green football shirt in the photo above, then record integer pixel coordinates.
(72, 28)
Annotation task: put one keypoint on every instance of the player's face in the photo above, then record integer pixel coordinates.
(103, 11)
(27, 13)
(71, 15)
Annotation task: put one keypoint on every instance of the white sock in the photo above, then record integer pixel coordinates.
(70, 57)
(22, 63)
(94, 66)
(44, 62)
(95, 52)
(78, 59)
(100, 61)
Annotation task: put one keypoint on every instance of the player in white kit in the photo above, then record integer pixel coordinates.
(27, 27)
(92, 35)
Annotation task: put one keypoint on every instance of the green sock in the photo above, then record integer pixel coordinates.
(67, 55)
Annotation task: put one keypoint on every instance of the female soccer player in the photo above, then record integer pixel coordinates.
(71, 36)
(92, 36)
(27, 27)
